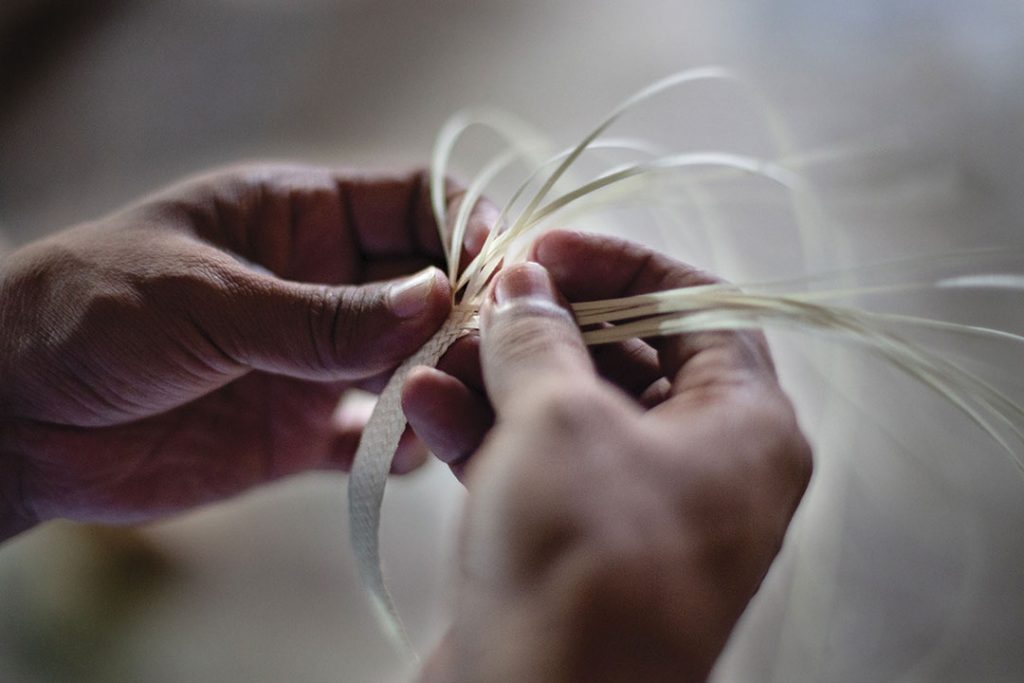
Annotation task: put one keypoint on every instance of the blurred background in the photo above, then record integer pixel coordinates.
(907, 120)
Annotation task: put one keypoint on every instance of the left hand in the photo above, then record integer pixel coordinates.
(196, 344)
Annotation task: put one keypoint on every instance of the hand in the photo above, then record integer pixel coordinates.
(624, 507)
(197, 343)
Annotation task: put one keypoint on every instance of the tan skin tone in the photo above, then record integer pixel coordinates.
(625, 503)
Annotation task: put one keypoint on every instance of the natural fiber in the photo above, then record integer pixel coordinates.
(678, 311)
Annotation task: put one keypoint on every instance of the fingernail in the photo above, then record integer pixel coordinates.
(524, 281)
(409, 298)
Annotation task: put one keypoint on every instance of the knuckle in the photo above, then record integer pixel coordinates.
(453, 189)
(788, 453)
(781, 463)
(321, 324)
(801, 461)
(343, 312)
(347, 315)
(781, 445)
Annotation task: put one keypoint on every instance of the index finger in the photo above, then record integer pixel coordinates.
(317, 224)
(592, 267)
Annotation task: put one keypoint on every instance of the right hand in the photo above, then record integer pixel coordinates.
(625, 506)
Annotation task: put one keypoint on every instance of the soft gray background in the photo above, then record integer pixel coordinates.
(905, 562)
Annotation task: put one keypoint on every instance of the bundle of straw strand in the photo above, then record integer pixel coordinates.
(677, 311)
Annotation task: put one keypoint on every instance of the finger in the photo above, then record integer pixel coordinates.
(373, 200)
(631, 365)
(390, 214)
(600, 267)
(388, 269)
(316, 224)
(448, 407)
(462, 361)
(448, 416)
(294, 220)
(374, 384)
(410, 454)
(483, 218)
(348, 422)
(315, 331)
(528, 338)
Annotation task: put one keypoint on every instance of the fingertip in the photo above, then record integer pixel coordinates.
(361, 331)
(419, 294)
(448, 416)
(528, 335)
(523, 289)
(416, 390)
(483, 220)
(462, 361)
(410, 455)
(381, 330)
(527, 280)
(426, 398)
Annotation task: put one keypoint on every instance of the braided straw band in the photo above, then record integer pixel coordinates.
(370, 470)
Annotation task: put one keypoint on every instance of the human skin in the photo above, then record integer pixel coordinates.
(196, 344)
(625, 506)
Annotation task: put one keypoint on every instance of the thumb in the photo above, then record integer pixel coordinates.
(325, 332)
(528, 338)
